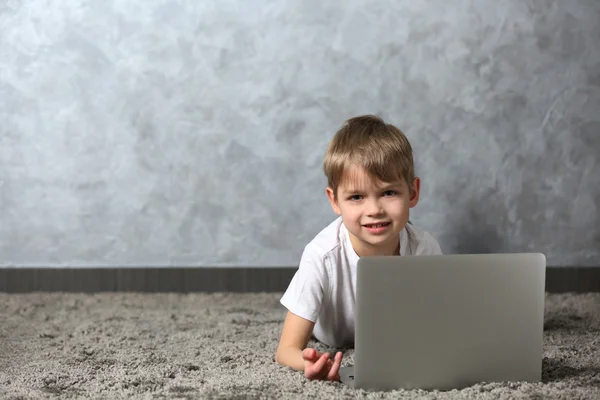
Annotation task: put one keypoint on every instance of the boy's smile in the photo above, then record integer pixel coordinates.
(374, 212)
(377, 228)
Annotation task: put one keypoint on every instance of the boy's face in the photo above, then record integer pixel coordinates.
(374, 212)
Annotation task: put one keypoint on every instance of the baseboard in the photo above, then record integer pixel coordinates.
(204, 279)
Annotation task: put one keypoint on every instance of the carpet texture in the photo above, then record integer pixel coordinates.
(152, 346)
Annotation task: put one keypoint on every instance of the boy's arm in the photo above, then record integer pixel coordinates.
(294, 338)
(291, 351)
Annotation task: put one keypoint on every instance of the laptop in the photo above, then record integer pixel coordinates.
(447, 321)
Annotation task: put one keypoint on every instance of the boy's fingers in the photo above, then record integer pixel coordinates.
(333, 374)
(317, 370)
(310, 354)
(307, 354)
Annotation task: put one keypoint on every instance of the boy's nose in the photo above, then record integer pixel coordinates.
(374, 208)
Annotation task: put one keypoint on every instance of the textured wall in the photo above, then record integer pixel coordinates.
(192, 133)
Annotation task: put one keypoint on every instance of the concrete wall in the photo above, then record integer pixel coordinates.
(152, 132)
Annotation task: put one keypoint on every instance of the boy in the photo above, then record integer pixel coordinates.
(371, 186)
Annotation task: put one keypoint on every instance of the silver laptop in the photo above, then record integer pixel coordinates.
(448, 321)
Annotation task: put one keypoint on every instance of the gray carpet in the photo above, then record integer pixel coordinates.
(151, 346)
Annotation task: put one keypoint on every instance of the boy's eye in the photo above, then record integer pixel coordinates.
(389, 193)
(355, 197)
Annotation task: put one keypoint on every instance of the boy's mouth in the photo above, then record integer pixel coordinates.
(380, 225)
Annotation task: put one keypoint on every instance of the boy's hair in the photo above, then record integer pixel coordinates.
(367, 141)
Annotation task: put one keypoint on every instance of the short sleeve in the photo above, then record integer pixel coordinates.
(305, 293)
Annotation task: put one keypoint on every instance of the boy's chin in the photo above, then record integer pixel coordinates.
(380, 240)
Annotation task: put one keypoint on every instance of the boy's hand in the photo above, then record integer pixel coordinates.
(319, 366)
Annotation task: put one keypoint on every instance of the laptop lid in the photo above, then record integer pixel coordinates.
(448, 321)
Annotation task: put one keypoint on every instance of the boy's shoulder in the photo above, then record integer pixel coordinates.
(326, 241)
(421, 241)
(416, 232)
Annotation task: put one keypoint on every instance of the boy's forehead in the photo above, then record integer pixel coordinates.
(357, 179)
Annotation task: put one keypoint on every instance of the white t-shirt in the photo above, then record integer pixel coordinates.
(323, 290)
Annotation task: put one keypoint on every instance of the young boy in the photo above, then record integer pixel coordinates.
(371, 186)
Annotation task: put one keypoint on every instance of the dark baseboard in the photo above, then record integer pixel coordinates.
(142, 279)
(187, 280)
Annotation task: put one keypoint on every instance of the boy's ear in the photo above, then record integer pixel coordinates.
(333, 201)
(414, 192)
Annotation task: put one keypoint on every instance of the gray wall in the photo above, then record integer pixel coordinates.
(149, 132)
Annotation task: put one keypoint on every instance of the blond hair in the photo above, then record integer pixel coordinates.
(368, 142)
